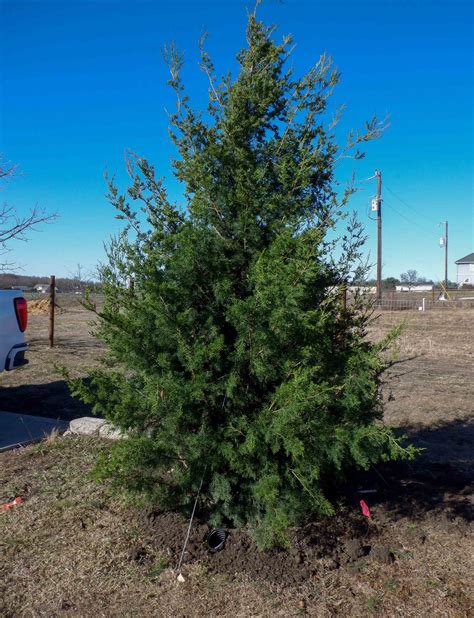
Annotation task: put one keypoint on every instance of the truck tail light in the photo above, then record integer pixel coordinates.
(21, 310)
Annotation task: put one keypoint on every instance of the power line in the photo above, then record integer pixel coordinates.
(412, 208)
(425, 235)
(366, 179)
(400, 214)
(376, 206)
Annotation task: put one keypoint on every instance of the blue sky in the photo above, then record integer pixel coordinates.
(81, 82)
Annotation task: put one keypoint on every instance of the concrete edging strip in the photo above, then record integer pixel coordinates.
(89, 426)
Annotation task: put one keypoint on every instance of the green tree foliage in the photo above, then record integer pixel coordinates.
(230, 358)
(390, 283)
(411, 278)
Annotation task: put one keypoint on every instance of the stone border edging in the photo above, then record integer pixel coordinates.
(89, 426)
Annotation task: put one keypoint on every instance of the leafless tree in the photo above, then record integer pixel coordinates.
(80, 277)
(411, 278)
(14, 226)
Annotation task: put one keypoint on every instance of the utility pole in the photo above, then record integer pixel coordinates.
(52, 302)
(378, 202)
(446, 257)
(445, 243)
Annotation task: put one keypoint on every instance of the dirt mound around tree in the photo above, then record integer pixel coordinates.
(41, 307)
(347, 540)
(319, 547)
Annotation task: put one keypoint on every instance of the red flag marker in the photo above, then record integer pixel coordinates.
(365, 509)
(10, 505)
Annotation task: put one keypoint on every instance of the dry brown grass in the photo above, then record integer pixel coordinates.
(431, 391)
(71, 549)
(38, 387)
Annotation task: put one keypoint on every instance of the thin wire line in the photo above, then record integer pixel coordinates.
(366, 179)
(400, 214)
(190, 523)
(412, 208)
(410, 222)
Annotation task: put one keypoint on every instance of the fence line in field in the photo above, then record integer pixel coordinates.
(422, 304)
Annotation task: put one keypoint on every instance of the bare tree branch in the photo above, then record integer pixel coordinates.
(14, 226)
(7, 169)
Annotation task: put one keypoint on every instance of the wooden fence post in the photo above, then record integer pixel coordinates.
(52, 302)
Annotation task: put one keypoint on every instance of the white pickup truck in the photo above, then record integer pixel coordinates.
(13, 323)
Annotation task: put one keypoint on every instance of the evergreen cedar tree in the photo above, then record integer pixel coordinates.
(231, 358)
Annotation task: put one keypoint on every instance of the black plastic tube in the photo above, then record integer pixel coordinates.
(215, 539)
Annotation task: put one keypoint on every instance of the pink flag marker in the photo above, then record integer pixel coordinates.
(365, 509)
(9, 505)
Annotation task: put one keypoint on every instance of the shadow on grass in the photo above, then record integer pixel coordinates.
(438, 483)
(52, 399)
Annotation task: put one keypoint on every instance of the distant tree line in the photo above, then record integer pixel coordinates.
(409, 278)
(64, 284)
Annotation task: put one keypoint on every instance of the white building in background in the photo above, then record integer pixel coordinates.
(414, 288)
(362, 289)
(42, 288)
(465, 270)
